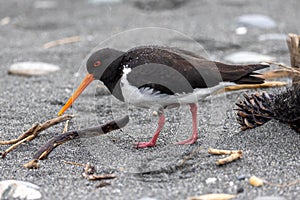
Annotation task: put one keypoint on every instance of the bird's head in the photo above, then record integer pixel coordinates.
(95, 65)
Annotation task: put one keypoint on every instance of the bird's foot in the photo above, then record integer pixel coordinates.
(191, 140)
(139, 145)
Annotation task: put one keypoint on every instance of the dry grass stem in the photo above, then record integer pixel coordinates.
(61, 42)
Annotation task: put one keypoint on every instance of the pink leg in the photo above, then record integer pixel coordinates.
(152, 142)
(193, 139)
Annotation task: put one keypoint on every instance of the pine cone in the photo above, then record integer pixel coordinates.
(257, 109)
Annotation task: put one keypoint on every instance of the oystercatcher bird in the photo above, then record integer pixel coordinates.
(162, 77)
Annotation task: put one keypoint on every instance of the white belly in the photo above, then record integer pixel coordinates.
(147, 98)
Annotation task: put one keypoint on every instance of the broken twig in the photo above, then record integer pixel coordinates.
(233, 155)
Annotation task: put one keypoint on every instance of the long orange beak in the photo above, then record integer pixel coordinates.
(86, 81)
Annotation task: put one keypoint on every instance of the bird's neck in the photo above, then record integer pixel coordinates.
(111, 79)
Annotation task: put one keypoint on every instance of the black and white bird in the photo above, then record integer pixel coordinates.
(162, 77)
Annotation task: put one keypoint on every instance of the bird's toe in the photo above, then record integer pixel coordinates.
(139, 145)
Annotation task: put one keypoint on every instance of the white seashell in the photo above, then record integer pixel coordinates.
(18, 189)
(32, 68)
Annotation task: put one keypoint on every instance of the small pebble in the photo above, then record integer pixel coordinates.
(211, 180)
(256, 182)
(241, 30)
(240, 190)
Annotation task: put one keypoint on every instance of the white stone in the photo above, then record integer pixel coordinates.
(241, 30)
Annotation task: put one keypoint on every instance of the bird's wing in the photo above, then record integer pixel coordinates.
(172, 70)
(167, 70)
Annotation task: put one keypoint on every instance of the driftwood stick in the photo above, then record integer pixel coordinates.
(293, 42)
(44, 151)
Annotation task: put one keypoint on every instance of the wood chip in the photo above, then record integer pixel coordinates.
(213, 197)
(61, 42)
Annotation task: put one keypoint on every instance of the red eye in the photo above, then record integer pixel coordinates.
(97, 63)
